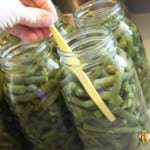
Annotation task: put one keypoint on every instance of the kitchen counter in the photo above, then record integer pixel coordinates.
(142, 20)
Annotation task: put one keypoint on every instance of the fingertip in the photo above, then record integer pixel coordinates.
(35, 17)
(47, 20)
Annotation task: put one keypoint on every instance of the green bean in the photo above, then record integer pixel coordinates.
(25, 97)
(106, 95)
(99, 71)
(36, 80)
(52, 83)
(126, 115)
(104, 82)
(66, 80)
(67, 89)
(90, 14)
(49, 99)
(122, 43)
(16, 79)
(124, 130)
(115, 99)
(80, 92)
(111, 69)
(129, 41)
(118, 33)
(127, 103)
(101, 123)
(17, 89)
(114, 130)
(88, 104)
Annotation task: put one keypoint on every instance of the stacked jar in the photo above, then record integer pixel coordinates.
(109, 13)
(113, 75)
(10, 135)
(31, 89)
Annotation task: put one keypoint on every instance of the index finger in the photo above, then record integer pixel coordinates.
(43, 4)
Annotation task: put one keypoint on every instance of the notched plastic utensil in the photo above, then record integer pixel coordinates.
(83, 78)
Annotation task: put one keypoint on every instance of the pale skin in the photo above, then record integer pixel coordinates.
(27, 19)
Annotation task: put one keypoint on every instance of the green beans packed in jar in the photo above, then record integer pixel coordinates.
(113, 75)
(10, 134)
(1, 84)
(7, 39)
(7, 141)
(31, 89)
(109, 13)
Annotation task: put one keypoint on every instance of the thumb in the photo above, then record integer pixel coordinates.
(35, 17)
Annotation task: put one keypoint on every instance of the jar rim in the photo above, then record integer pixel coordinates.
(22, 53)
(103, 34)
(98, 13)
(105, 6)
(88, 43)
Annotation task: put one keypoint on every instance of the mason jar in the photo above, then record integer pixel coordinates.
(10, 136)
(114, 77)
(110, 14)
(31, 89)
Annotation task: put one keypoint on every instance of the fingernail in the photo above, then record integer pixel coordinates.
(47, 20)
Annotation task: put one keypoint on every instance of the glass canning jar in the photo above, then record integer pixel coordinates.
(110, 14)
(113, 75)
(31, 89)
(11, 136)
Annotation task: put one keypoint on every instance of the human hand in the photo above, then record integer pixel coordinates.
(27, 19)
